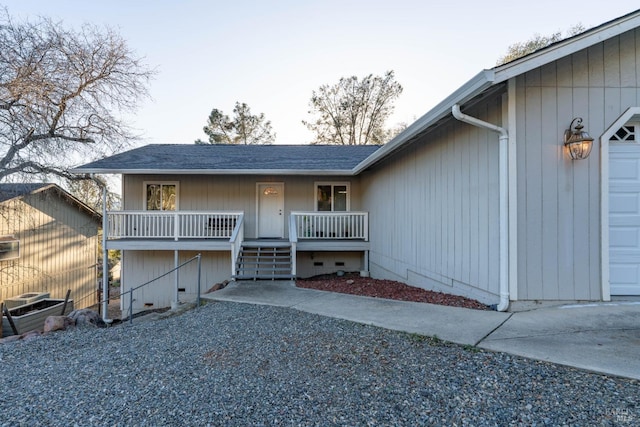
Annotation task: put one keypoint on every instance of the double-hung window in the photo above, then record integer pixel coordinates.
(161, 196)
(332, 197)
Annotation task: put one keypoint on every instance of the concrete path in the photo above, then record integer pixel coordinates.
(603, 337)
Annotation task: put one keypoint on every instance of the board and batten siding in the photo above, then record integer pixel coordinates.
(559, 199)
(434, 210)
(140, 267)
(58, 249)
(236, 193)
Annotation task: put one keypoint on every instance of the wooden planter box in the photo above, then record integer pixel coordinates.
(32, 316)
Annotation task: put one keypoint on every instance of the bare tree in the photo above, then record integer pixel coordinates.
(244, 128)
(89, 191)
(61, 94)
(353, 112)
(520, 49)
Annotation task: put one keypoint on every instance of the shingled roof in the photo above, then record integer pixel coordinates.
(10, 191)
(236, 159)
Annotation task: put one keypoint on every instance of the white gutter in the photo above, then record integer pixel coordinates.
(292, 172)
(504, 199)
(479, 83)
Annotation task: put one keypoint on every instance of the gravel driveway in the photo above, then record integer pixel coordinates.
(237, 364)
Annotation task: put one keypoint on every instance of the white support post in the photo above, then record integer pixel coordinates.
(176, 260)
(105, 258)
(294, 269)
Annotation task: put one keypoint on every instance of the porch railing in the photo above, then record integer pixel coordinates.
(174, 224)
(331, 225)
(236, 239)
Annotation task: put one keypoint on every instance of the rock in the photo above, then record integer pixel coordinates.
(58, 323)
(87, 317)
(218, 286)
(350, 282)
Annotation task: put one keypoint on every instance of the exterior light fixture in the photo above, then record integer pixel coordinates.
(577, 141)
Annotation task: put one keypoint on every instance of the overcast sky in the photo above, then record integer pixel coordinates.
(273, 54)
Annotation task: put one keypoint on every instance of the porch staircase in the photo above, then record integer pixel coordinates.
(264, 260)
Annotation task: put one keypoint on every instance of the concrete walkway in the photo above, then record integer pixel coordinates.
(603, 337)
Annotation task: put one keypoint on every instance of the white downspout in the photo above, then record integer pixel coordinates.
(504, 199)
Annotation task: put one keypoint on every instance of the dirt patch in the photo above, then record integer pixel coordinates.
(352, 283)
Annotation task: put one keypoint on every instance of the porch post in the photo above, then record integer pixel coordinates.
(175, 256)
(294, 261)
(366, 260)
(105, 258)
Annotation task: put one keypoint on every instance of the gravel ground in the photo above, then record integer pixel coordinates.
(237, 364)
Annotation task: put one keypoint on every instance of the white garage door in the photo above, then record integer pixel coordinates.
(624, 212)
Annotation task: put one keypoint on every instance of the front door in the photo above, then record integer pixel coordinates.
(624, 212)
(271, 210)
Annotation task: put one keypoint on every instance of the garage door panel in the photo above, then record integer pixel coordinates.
(624, 218)
(624, 169)
(626, 237)
(624, 274)
(624, 203)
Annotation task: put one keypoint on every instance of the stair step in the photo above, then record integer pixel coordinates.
(264, 260)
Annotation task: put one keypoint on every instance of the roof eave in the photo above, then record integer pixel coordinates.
(66, 195)
(73, 200)
(215, 171)
(567, 47)
(469, 90)
(500, 74)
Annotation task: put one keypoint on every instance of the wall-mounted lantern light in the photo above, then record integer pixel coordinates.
(577, 141)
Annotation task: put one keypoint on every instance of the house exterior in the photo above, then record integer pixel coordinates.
(48, 243)
(478, 197)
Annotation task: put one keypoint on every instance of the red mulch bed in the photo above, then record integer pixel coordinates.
(352, 283)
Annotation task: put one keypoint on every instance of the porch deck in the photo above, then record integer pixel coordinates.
(220, 230)
(223, 244)
(224, 231)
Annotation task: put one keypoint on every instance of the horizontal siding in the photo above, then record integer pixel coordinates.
(236, 193)
(559, 199)
(434, 210)
(58, 249)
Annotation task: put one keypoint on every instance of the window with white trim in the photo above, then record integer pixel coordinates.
(161, 196)
(9, 248)
(332, 197)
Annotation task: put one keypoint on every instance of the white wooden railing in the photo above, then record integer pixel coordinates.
(293, 239)
(331, 225)
(236, 239)
(174, 224)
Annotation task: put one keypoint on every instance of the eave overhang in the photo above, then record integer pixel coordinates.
(293, 172)
(468, 91)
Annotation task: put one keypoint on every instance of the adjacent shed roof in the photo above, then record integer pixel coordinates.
(236, 159)
(9, 191)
